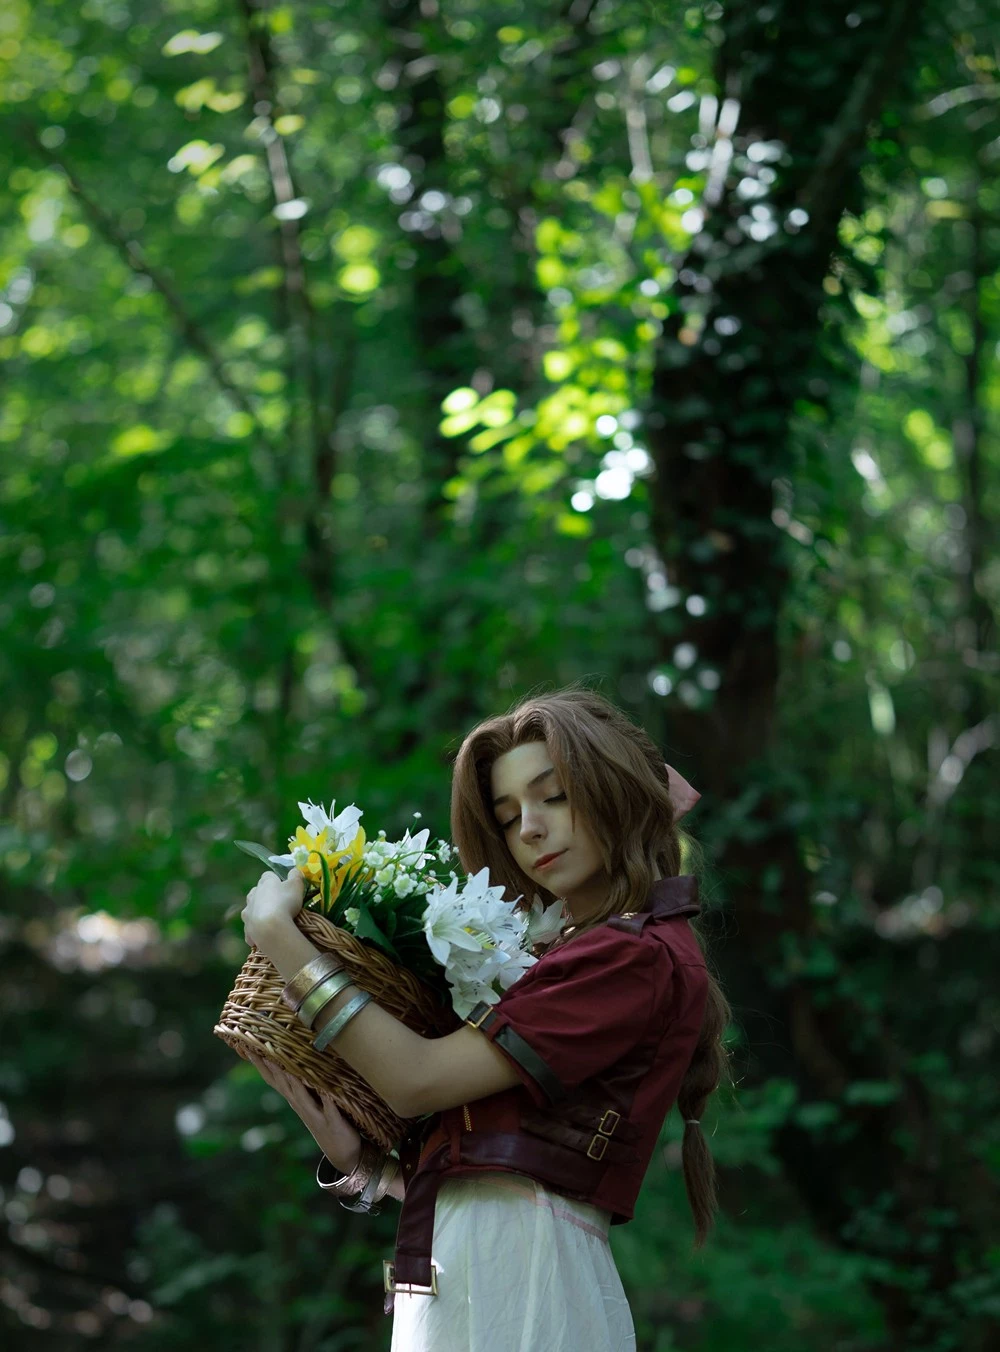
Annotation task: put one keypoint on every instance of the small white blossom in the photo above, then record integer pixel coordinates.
(403, 885)
(300, 856)
(352, 915)
(385, 875)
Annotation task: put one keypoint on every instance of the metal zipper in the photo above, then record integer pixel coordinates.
(468, 1119)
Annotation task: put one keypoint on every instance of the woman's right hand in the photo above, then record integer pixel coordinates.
(330, 1129)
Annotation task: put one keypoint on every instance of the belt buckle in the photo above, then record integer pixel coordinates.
(602, 1141)
(609, 1113)
(408, 1288)
(477, 1021)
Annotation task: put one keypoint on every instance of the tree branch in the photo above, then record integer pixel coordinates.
(131, 251)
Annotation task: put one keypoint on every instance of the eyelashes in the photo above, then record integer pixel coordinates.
(559, 798)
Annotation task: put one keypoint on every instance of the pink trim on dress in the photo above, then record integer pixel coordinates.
(509, 1182)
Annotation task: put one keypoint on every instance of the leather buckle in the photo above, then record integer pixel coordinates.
(474, 1020)
(602, 1141)
(408, 1288)
(609, 1113)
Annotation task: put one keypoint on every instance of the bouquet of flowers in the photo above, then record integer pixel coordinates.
(395, 895)
(426, 943)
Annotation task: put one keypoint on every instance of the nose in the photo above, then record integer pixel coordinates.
(530, 829)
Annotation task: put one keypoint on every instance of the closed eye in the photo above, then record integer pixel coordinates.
(557, 799)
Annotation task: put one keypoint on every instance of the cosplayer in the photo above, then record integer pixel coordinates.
(537, 1120)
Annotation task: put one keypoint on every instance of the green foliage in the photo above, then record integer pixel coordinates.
(262, 853)
(356, 371)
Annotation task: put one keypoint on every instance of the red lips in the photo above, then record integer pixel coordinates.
(544, 859)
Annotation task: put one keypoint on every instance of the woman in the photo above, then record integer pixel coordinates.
(541, 1114)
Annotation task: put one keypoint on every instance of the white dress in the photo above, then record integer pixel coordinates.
(520, 1269)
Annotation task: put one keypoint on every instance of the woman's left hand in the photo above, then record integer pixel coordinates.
(272, 902)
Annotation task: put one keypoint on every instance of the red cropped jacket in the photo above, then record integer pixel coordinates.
(601, 1031)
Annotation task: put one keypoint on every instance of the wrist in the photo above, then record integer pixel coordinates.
(270, 926)
(281, 940)
(349, 1162)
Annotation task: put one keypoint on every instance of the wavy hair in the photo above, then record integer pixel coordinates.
(614, 775)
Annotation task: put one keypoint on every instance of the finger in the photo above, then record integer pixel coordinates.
(266, 1072)
(278, 1077)
(313, 1095)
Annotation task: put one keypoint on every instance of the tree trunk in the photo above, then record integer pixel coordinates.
(722, 402)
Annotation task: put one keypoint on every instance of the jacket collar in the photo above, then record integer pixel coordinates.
(667, 897)
(673, 896)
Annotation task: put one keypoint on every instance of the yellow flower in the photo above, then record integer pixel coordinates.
(310, 870)
(348, 861)
(339, 862)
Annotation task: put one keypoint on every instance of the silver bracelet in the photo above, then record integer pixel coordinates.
(389, 1176)
(322, 993)
(371, 1178)
(346, 1185)
(307, 978)
(339, 1021)
(366, 1202)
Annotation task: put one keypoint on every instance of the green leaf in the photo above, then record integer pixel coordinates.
(325, 889)
(366, 928)
(261, 852)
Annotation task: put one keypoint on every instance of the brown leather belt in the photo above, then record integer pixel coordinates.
(565, 1167)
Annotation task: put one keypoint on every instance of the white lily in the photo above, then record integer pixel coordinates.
(444, 924)
(414, 846)
(545, 923)
(518, 962)
(342, 828)
(464, 998)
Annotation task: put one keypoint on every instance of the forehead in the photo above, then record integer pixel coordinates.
(510, 772)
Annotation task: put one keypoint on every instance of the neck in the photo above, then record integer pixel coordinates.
(582, 906)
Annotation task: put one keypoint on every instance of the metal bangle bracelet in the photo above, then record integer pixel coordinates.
(389, 1175)
(330, 1030)
(307, 978)
(352, 1184)
(322, 994)
(366, 1201)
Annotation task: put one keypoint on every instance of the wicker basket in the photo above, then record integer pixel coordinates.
(256, 1019)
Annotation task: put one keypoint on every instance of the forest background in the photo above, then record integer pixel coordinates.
(368, 365)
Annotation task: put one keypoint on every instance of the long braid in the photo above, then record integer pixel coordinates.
(708, 1067)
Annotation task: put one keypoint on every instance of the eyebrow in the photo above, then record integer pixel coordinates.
(530, 785)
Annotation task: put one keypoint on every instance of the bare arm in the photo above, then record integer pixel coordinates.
(412, 1074)
(330, 1129)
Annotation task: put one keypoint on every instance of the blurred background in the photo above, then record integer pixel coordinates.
(369, 365)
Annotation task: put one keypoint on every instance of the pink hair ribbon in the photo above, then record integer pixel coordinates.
(682, 794)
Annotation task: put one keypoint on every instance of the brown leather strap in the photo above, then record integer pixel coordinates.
(412, 1143)
(552, 1164)
(596, 1144)
(522, 1052)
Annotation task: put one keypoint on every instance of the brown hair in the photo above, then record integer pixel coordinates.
(614, 775)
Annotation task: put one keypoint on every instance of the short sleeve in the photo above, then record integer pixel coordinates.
(578, 1010)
